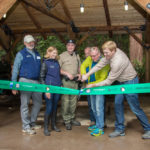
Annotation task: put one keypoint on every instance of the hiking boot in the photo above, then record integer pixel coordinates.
(97, 132)
(46, 124)
(117, 133)
(91, 128)
(75, 123)
(29, 131)
(146, 135)
(53, 121)
(68, 126)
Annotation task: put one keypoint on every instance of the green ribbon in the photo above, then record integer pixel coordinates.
(104, 90)
(1, 91)
(117, 89)
(24, 86)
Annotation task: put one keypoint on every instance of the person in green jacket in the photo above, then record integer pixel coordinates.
(97, 101)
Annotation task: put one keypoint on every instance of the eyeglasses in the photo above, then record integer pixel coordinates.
(93, 55)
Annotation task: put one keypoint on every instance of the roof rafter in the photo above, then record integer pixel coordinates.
(137, 7)
(107, 16)
(82, 29)
(68, 14)
(5, 6)
(33, 18)
(66, 10)
(58, 17)
(52, 3)
(136, 38)
(85, 36)
(143, 4)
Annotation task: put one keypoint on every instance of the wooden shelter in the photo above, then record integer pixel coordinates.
(46, 17)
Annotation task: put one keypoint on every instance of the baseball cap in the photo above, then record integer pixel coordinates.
(71, 41)
(29, 38)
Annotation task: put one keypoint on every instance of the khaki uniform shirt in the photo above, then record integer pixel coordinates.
(70, 63)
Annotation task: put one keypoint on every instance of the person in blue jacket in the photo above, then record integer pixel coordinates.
(27, 66)
(50, 75)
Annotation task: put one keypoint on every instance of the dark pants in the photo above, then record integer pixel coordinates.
(51, 104)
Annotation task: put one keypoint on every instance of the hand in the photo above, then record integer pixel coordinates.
(70, 76)
(90, 85)
(48, 95)
(14, 92)
(84, 77)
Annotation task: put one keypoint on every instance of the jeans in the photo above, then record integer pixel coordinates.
(51, 104)
(97, 104)
(92, 118)
(134, 104)
(27, 119)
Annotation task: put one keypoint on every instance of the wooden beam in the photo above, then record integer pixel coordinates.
(9, 12)
(83, 39)
(5, 5)
(58, 17)
(52, 3)
(85, 36)
(4, 40)
(33, 18)
(143, 4)
(147, 39)
(71, 34)
(68, 14)
(66, 10)
(3, 45)
(13, 45)
(135, 37)
(82, 29)
(107, 16)
(138, 8)
(148, 30)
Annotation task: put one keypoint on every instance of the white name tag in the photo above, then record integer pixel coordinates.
(38, 57)
(28, 56)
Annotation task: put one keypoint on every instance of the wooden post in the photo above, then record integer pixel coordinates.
(147, 75)
(136, 50)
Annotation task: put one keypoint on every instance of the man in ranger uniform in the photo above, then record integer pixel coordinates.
(70, 69)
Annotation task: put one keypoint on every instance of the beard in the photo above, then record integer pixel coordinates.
(30, 47)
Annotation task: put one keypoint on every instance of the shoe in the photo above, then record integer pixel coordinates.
(53, 121)
(117, 133)
(97, 132)
(36, 127)
(46, 124)
(91, 128)
(75, 123)
(146, 135)
(46, 132)
(29, 131)
(68, 126)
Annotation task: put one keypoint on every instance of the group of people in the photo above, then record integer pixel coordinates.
(66, 70)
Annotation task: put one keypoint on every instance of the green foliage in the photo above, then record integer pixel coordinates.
(42, 44)
(2, 53)
(140, 69)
